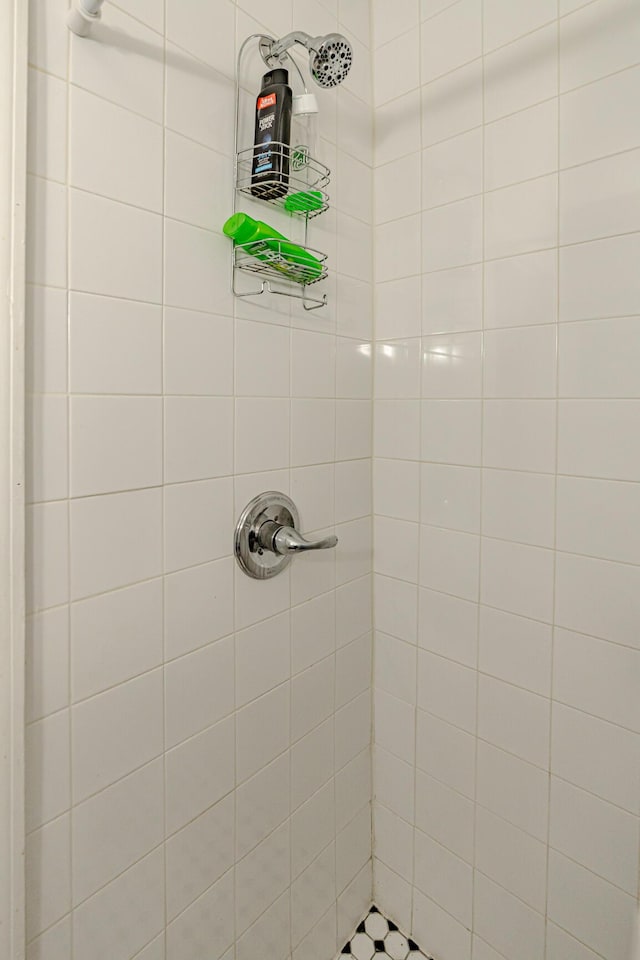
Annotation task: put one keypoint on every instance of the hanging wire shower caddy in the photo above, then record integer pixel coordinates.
(279, 274)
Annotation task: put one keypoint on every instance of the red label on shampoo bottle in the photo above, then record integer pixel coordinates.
(268, 101)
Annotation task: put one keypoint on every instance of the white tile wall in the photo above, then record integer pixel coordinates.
(198, 744)
(506, 789)
(506, 577)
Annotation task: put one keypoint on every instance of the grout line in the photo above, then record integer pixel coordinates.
(555, 503)
(481, 490)
(416, 692)
(68, 508)
(163, 460)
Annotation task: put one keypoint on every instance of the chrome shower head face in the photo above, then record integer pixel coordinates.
(330, 60)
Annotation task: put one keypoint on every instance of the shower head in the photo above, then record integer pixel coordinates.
(331, 61)
(330, 57)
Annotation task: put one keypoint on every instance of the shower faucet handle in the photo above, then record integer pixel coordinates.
(267, 537)
(285, 540)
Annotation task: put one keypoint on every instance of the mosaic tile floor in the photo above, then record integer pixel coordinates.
(380, 938)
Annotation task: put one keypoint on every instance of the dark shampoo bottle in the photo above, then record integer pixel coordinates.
(272, 139)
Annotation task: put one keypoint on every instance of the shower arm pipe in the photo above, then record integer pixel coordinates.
(82, 16)
(281, 46)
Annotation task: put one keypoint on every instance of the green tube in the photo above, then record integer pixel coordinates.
(244, 230)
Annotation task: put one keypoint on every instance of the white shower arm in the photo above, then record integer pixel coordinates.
(82, 15)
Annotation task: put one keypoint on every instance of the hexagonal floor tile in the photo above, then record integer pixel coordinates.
(396, 945)
(376, 926)
(362, 947)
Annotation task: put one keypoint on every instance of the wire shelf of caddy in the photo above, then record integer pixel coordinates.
(301, 191)
(280, 260)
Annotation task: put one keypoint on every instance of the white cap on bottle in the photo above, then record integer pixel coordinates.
(304, 103)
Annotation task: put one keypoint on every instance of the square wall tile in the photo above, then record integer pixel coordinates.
(512, 858)
(116, 444)
(519, 435)
(611, 506)
(397, 68)
(592, 438)
(115, 828)
(115, 637)
(518, 506)
(522, 146)
(448, 626)
(521, 290)
(531, 66)
(262, 434)
(198, 353)
(46, 252)
(599, 279)
(446, 753)
(113, 152)
(518, 579)
(521, 218)
(198, 438)
(451, 366)
(198, 522)
(450, 497)
(116, 249)
(45, 339)
(520, 362)
(397, 188)
(47, 655)
(115, 346)
(451, 39)
(506, 20)
(515, 649)
(199, 855)
(600, 199)
(452, 300)
(197, 691)
(47, 125)
(116, 732)
(47, 555)
(47, 769)
(452, 103)
(115, 541)
(506, 922)
(192, 173)
(526, 735)
(397, 369)
(447, 690)
(47, 445)
(199, 772)
(596, 756)
(609, 602)
(452, 235)
(449, 561)
(451, 431)
(596, 834)
(131, 78)
(136, 894)
(452, 170)
(47, 861)
(572, 889)
(597, 41)
(589, 128)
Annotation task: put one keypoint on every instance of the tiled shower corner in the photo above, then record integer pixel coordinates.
(375, 936)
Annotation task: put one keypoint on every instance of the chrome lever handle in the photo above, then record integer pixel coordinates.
(285, 540)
